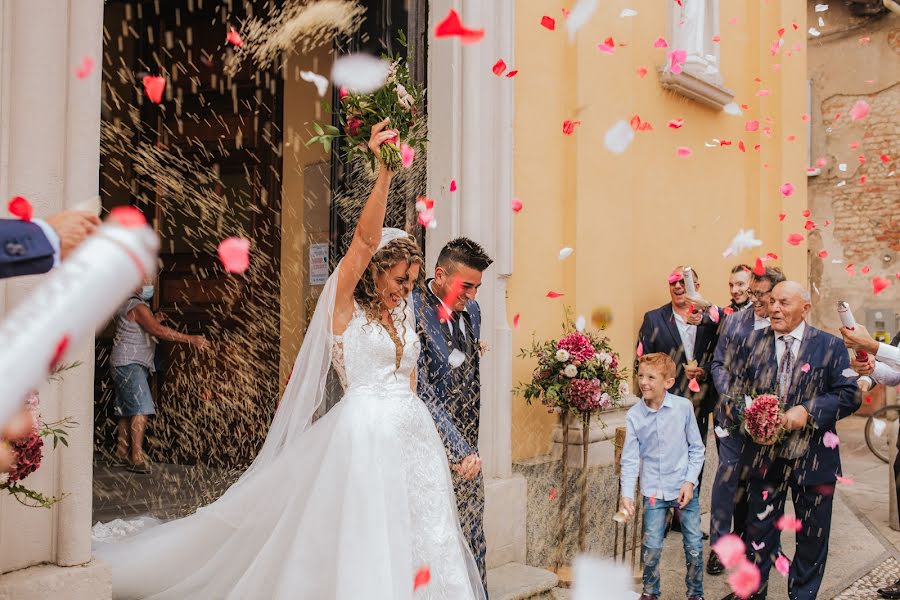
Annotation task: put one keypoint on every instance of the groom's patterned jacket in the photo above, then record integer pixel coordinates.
(453, 395)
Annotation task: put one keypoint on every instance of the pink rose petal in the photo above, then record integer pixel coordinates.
(805, 368)
(154, 87)
(683, 152)
(860, 110)
(548, 22)
(744, 581)
(452, 185)
(660, 43)
(765, 495)
(641, 72)
(730, 549)
(845, 480)
(758, 546)
(235, 254)
(20, 207)
(85, 68)
(714, 313)
(783, 565)
(789, 523)
(693, 385)
(640, 349)
(787, 189)
(499, 67)
(751, 126)
(795, 239)
(879, 284)
(516, 205)
(407, 154)
(234, 38)
(830, 440)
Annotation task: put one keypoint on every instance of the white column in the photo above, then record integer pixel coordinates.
(49, 153)
(471, 140)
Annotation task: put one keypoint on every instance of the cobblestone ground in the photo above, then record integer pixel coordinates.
(865, 588)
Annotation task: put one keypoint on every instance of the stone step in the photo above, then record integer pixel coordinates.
(515, 581)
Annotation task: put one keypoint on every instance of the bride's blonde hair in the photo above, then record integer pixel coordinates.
(366, 292)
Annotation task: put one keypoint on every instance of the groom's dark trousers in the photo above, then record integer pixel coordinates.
(453, 395)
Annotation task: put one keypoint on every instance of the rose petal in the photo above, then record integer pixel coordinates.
(641, 72)
(234, 37)
(860, 110)
(127, 216)
(640, 349)
(845, 480)
(565, 253)
(730, 549)
(721, 432)
(423, 576)
(758, 546)
(85, 68)
(652, 500)
(787, 189)
(499, 67)
(693, 385)
(683, 152)
(512, 74)
(456, 358)
(660, 43)
(452, 185)
(548, 22)
(751, 126)
(878, 426)
(21, 208)
(765, 495)
(789, 522)
(552, 294)
(568, 127)
(879, 284)
(516, 205)
(822, 254)
(618, 137)
(451, 26)
(235, 254)
(320, 81)
(758, 268)
(154, 87)
(516, 318)
(830, 440)
(744, 581)
(795, 239)
(407, 154)
(783, 565)
(714, 313)
(628, 12)
(676, 123)
(60, 350)
(768, 510)
(805, 368)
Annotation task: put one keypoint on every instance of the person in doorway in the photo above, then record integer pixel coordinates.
(131, 362)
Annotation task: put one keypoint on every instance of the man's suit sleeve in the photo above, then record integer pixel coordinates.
(24, 249)
(720, 363)
(454, 443)
(645, 340)
(838, 399)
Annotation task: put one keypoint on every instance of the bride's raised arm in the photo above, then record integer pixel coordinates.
(366, 236)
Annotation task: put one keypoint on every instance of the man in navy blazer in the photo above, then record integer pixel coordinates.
(36, 246)
(805, 368)
(729, 491)
(684, 335)
(448, 320)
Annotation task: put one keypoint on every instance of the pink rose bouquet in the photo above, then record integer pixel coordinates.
(762, 419)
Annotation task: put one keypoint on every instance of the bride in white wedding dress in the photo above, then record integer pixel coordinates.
(359, 505)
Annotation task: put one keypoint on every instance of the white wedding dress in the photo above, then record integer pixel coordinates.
(352, 508)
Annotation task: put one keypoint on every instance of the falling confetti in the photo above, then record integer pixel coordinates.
(805, 368)
(154, 87)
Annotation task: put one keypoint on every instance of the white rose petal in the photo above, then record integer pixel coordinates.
(581, 323)
(878, 426)
(765, 513)
(320, 81)
(821, 22)
(733, 108)
(565, 253)
(821, 7)
(748, 401)
(456, 358)
(360, 73)
(848, 372)
(628, 12)
(618, 137)
(721, 432)
(814, 32)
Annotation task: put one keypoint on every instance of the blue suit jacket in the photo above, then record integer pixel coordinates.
(823, 389)
(453, 398)
(24, 249)
(733, 331)
(659, 333)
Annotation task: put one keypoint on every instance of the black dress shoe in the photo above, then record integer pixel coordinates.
(890, 591)
(714, 566)
(731, 597)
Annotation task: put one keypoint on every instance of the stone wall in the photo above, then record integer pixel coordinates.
(855, 200)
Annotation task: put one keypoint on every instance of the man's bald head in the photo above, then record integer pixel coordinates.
(789, 304)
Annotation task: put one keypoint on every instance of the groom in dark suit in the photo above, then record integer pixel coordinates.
(449, 326)
(805, 367)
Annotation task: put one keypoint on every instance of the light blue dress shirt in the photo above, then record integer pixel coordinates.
(664, 446)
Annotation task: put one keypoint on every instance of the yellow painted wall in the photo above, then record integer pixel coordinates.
(305, 209)
(632, 217)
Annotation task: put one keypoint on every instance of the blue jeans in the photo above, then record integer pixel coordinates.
(655, 529)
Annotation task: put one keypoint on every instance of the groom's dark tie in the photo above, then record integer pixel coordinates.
(457, 324)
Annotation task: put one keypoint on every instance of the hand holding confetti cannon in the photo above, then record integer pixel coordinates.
(72, 303)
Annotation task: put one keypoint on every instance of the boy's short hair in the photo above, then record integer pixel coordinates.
(659, 361)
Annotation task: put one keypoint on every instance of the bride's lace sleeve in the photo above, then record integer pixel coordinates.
(337, 360)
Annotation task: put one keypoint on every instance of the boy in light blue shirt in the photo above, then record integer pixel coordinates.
(662, 442)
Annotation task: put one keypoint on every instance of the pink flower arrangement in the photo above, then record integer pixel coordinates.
(29, 453)
(584, 394)
(762, 419)
(578, 346)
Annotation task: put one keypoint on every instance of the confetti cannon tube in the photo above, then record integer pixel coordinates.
(69, 305)
(847, 320)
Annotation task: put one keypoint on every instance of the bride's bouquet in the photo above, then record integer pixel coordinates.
(762, 419)
(400, 99)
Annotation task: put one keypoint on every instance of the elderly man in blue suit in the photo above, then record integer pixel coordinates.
(449, 322)
(805, 367)
(36, 246)
(729, 491)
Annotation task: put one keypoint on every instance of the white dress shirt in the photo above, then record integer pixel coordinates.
(886, 374)
(52, 237)
(797, 334)
(760, 323)
(889, 354)
(688, 335)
